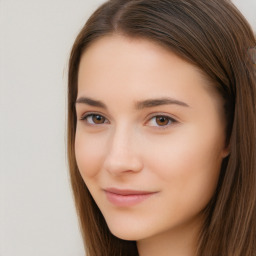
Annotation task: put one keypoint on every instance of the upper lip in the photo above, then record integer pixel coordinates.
(126, 192)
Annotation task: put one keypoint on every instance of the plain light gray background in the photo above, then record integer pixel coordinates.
(37, 216)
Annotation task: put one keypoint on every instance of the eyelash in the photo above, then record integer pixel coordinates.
(86, 116)
(171, 121)
(91, 115)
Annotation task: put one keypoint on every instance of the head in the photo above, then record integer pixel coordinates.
(202, 43)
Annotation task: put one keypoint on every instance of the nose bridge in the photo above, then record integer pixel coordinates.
(122, 155)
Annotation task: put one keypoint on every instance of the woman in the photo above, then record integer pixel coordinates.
(161, 129)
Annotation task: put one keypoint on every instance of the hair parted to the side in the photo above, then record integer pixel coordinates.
(215, 37)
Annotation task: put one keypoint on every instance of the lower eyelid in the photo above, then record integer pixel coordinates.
(170, 119)
(87, 115)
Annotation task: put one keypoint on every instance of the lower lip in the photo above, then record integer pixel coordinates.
(126, 200)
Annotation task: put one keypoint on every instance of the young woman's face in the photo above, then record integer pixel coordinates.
(150, 137)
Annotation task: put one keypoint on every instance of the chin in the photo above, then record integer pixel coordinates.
(126, 234)
(129, 233)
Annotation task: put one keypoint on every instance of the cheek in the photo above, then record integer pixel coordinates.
(188, 165)
(89, 155)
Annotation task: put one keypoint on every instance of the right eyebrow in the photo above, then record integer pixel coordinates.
(91, 102)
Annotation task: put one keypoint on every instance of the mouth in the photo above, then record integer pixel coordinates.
(127, 197)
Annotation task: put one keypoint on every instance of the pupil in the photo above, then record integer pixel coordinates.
(98, 119)
(162, 120)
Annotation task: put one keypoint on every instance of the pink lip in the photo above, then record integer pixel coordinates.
(126, 198)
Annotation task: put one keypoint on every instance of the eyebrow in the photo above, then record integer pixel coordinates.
(91, 102)
(158, 102)
(138, 105)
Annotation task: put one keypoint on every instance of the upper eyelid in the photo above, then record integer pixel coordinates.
(86, 115)
(90, 113)
(171, 120)
(172, 117)
(148, 118)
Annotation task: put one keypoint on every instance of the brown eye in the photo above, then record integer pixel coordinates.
(94, 119)
(162, 120)
(98, 119)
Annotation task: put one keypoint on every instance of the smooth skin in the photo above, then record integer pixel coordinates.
(147, 120)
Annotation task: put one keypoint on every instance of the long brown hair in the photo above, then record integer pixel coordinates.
(215, 37)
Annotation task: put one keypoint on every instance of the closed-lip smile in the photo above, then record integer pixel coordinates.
(126, 197)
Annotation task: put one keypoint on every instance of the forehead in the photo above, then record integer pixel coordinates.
(123, 66)
(130, 56)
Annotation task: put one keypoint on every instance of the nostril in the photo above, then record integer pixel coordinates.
(122, 153)
(122, 163)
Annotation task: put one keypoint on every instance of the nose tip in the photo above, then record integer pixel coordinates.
(122, 157)
(117, 165)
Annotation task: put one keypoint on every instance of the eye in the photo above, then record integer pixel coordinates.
(161, 121)
(94, 119)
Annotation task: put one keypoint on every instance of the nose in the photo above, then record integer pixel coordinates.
(122, 154)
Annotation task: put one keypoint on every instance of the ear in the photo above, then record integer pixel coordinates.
(226, 151)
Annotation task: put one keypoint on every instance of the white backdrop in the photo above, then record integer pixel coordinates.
(37, 216)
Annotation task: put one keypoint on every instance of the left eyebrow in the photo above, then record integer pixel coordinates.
(158, 102)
